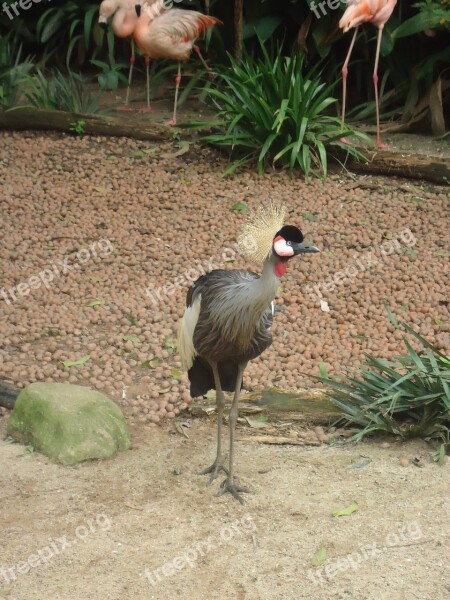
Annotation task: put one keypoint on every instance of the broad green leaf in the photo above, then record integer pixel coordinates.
(263, 27)
(96, 303)
(345, 512)
(309, 217)
(415, 24)
(319, 557)
(360, 465)
(152, 363)
(76, 363)
(131, 338)
(323, 370)
(240, 206)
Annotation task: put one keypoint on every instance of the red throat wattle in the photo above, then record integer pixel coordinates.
(280, 269)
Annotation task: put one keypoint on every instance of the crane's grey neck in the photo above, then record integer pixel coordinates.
(242, 305)
(269, 282)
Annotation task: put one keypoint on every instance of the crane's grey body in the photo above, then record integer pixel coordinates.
(233, 325)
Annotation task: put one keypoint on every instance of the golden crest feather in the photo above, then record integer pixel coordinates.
(255, 238)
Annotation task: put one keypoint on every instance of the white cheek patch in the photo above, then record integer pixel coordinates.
(281, 248)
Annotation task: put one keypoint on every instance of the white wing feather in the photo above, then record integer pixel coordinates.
(188, 323)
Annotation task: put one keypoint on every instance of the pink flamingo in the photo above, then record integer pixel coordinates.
(377, 12)
(123, 24)
(170, 34)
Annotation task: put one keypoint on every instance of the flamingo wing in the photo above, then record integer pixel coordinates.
(366, 11)
(185, 24)
(171, 34)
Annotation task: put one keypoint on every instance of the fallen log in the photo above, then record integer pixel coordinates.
(306, 406)
(384, 162)
(277, 441)
(8, 395)
(410, 166)
(107, 125)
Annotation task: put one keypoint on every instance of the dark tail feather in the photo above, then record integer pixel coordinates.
(202, 378)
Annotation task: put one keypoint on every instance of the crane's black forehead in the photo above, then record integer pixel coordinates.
(291, 234)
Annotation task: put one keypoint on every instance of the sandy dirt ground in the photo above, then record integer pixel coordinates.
(145, 526)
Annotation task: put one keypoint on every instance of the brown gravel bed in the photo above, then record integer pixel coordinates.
(110, 219)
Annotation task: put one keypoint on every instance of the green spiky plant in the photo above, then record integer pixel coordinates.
(13, 72)
(68, 93)
(76, 24)
(408, 396)
(271, 110)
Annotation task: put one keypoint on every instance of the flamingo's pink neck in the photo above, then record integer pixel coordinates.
(124, 22)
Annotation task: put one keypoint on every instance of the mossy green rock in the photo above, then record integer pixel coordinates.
(68, 423)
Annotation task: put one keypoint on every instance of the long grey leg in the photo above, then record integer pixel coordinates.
(229, 485)
(220, 402)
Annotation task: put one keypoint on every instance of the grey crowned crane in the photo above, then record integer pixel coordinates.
(228, 318)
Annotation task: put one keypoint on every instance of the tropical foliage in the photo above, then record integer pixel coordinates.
(68, 93)
(271, 110)
(13, 71)
(408, 396)
(415, 49)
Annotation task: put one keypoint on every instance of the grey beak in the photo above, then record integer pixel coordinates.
(303, 248)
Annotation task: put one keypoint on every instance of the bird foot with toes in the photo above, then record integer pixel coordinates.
(214, 469)
(125, 108)
(147, 109)
(229, 485)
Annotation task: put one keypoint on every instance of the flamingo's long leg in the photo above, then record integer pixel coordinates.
(177, 86)
(375, 83)
(147, 71)
(126, 107)
(204, 63)
(130, 74)
(344, 77)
